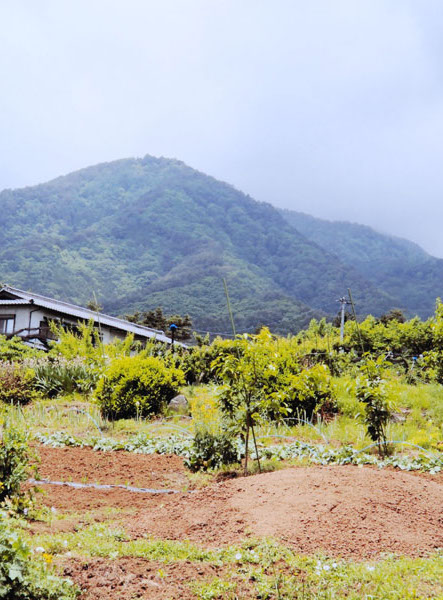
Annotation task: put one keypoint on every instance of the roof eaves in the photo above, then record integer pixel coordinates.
(84, 313)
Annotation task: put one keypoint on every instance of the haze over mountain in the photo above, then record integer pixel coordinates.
(140, 233)
(399, 267)
(330, 108)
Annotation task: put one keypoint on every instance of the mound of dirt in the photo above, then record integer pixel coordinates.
(343, 510)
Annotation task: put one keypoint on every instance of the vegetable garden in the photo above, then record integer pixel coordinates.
(302, 467)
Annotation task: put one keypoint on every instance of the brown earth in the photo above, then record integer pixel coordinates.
(129, 578)
(342, 510)
(85, 465)
(346, 511)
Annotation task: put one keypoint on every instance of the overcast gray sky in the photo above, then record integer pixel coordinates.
(331, 107)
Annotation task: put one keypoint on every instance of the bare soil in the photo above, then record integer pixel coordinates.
(344, 511)
(129, 578)
(128, 468)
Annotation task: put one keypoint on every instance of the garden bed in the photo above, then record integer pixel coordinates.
(344, 511)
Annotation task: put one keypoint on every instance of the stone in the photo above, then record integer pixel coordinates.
(179, 404)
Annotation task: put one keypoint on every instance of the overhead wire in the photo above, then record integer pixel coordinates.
(251, 330)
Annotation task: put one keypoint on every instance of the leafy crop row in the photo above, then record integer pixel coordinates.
(184, 446)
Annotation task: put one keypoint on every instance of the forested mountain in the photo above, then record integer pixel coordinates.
(398, 266)
(140, 233)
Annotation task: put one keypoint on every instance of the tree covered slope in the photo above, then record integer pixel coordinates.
(399, 267)
(146, 232)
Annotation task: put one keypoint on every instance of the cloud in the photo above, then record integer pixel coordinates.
(330, 108)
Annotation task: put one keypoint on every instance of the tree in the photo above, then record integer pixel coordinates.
(158, 320)
(336, 321)
(395, 314)
(94, 305)
(371, 390)
(246, 396)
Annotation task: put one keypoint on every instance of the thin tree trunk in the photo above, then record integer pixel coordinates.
(247, 442)
(256, 449)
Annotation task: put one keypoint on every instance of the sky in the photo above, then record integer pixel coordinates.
(330, 107)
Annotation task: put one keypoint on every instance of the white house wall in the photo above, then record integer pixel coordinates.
(21, 314)
(30, 317)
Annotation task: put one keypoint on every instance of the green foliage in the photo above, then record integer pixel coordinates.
(437, 325)
(412, 337)
(24, 576)
(370, 389)
(395, 314)
(57, 376)
(84, 344)
(310, 392)
(158, 320)
(200, 362)
(14, 467)
(434, 358)
(212, 450)
(136, 387)
(250, 390)
(266, 374)
(16, 383)
(14, 350)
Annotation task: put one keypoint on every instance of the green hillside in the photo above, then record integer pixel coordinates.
(398, 266)
(147, 232)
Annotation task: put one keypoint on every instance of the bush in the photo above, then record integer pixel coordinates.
(53, 377)
(310, 392)
(14, 469)
(137, 387)
(25, 577)
(197, 362)
(15, 350)
(16, 383)
(430, 366)
(211, 451)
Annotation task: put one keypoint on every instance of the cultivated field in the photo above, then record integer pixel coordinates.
(341, 497)
(298, 530)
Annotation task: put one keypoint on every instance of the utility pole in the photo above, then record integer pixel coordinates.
(343, 303)
(173, 328)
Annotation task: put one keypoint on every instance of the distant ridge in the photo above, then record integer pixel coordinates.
(398, 266)
(152, 231)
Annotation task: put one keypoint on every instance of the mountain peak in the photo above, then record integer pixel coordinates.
(144, 232)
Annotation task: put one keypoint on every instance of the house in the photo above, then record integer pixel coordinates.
(29, 315)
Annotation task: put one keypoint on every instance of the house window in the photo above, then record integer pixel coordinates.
(7, 323)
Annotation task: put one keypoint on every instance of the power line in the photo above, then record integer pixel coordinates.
(267, 324)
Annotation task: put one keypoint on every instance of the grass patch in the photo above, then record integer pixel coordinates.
(265, 568)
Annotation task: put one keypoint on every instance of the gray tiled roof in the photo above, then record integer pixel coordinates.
(22, 297)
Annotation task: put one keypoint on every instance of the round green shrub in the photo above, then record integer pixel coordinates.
(16, 383)
(211, 451)
(310, 392)
(137, 387)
